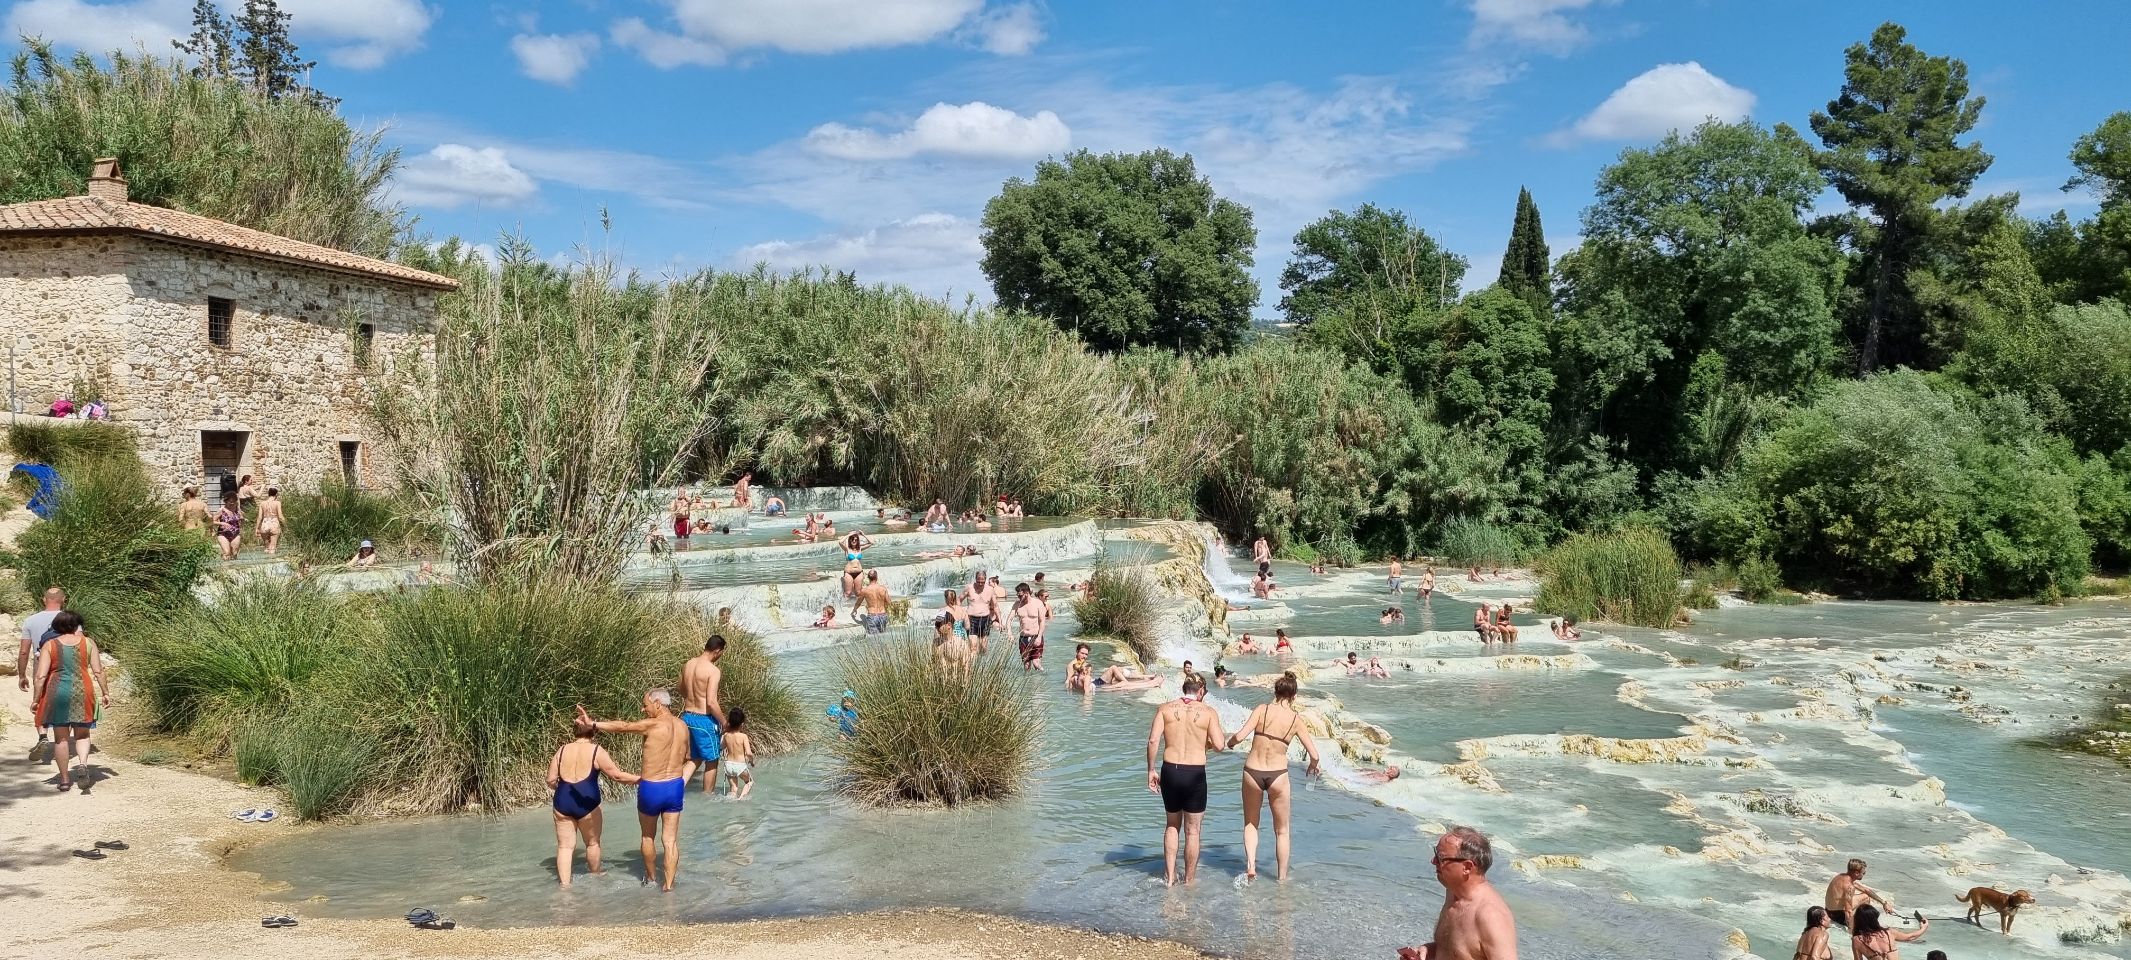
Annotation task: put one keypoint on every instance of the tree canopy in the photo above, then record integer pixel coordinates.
(1124, 250)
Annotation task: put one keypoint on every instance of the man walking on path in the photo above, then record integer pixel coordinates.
(1475, 923)
(34, 627)
(873, 598)
(1184, 729)
(700, 711)
(663, 787)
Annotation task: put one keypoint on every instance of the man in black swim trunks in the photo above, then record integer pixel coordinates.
(1847, 892)
(1184, 729)
(979, 603)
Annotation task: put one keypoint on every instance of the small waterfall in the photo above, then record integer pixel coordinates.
(1225, 581)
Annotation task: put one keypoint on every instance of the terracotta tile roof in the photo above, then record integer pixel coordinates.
(91, 214)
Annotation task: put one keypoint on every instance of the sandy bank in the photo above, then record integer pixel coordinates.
(170, 896)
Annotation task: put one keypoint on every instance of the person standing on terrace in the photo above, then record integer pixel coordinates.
(873, 598)
(664, 785)
(1184, 729)
(192, 514)
(740, 488)
(1261, 553)
(229, 528)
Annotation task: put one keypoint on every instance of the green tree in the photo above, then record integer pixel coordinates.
(1980, 275)
(1891, 152)
(211, 45)
(266, 57)
(2103, 159)
(196, 143)
(1527, 270)
(2091, 260)
(2072, 364)
(1125, 250)
(1367, 284)
(1695, 247)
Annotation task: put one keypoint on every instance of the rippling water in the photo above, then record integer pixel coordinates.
(1666, 853)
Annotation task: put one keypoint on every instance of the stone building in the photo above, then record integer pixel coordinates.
(228, 350)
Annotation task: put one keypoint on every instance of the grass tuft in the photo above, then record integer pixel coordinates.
(115, 547)
(327, 525)
(1120, 604)
(207, 671)
(926, 737)
(1627, 576)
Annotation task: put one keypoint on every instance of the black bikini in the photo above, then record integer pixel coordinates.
(1266, 778)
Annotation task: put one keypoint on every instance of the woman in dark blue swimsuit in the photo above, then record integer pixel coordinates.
(574, 776)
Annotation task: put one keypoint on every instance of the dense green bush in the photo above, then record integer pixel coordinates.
(1628, 576)
(929, 736)
(325, 526)
(1120, 604)
(210, 670)
(70, 445)
(115, 547)
(2072, 363)
(1903, 486)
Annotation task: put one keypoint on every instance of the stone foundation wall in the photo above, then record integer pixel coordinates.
(132, 315)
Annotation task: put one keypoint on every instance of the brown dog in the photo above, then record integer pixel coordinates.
(2007, 904)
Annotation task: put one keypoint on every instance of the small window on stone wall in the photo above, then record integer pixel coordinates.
(365, 335)
(221, 318)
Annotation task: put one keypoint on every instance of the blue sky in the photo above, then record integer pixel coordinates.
(868, 134)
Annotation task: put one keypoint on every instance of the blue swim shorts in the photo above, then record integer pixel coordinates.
(702, 736)
(654, 797)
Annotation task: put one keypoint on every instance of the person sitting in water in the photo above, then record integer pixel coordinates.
(1352, 664)
(1565, 629)
(845, 713)
(1386, 775)
(573, 775)
(1377, 669)
(1503, 628)
(1222, 676)
(1472, 575)
(936, 516)
(1262, 586)
(827, 618)
(1317, 567)
(1079, 671)
(1392, 615)
(1015, 509)
(900, 518)
(1869, 940)
(1483, 623)
(1246, 645)
(735, 754)
(1281, 645)
(365, 556)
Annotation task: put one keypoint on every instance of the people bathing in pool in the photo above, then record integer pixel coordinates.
(1392, 615)
(1565, 629)
(1246, 645)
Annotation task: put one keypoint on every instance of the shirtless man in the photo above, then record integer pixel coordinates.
(1262, 586)
(979, 603)
(192, 514)
(701, 713)
(1184, 729)
(740, 490)
(679, 510)
(936, 516)
(1030, 617)
(1261, 553)
(1398, 576)
(1475, 923)
(1847, 892)
(659, 794)
(874, 598)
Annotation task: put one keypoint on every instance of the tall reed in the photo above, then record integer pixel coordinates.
(932, 737)
(209, 670)
(1627, 576)
(1120, 603)
(327, 524)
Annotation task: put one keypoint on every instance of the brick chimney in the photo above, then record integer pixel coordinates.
(106, 181)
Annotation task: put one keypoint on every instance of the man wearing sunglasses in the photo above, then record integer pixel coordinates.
(1475, 923)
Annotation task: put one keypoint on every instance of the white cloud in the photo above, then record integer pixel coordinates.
(931, 252)
(710, 32)
(453, 174)
(975, 129)
(357, 35)
(1537, 23)
(1667, 97)
(1008, 31)
(554, 58)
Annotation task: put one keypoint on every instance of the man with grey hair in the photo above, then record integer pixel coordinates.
(658, 796)
(1475, 923)
(34, 628)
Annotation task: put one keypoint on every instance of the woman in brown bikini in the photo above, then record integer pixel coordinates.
(1273, 728)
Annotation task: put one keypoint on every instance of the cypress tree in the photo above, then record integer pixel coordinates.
(1525, 264)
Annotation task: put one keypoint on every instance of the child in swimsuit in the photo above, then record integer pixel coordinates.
(736, 754)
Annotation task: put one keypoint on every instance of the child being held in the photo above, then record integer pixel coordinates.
(734, 754)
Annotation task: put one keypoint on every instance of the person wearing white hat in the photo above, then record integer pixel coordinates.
(365, 556)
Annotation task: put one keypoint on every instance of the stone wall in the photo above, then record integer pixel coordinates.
(131, 314)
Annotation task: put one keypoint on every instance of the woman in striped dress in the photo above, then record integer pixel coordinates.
(70, 680)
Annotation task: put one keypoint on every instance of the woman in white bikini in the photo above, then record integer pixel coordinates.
(1273, 728)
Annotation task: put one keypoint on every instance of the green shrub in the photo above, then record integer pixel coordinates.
(1760, 579)
(776, 720)
(926, 736)
(326, 759)
(1473, 543)
(70, 445)
(1627, 576)
(211, 670)
(1120, 604)
(115, 548)
(327, 525)
(465, 693)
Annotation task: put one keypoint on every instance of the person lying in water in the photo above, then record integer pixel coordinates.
(1386, 775)
(958, 551)
(1565, 629)
(1392, 615)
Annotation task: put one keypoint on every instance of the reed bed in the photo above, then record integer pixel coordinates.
(929, 737)
(1627, 576)
(1121, 604)
(326, 525)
